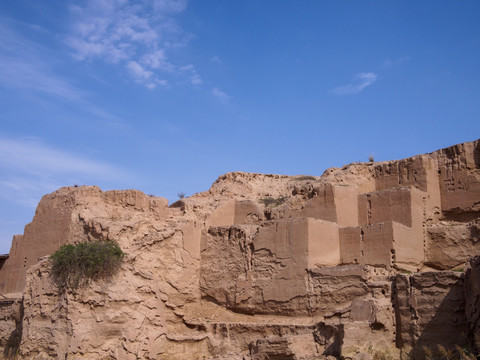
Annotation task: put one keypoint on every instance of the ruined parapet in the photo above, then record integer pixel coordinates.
(450, 177)
(449, 245)
(49, 230)
(263, 269)
(459, 173)
(263, 266)
(390, 232)
(402, 205)
(334, 203)
(59, 219)
(235, 212)
(420, 172)
(385, 244)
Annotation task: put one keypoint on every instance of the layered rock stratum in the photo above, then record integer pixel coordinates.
(369, 261)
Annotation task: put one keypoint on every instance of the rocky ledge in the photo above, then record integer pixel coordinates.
(369, 261)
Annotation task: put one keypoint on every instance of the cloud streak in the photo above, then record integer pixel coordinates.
(29, 67)
(32, 156)
(30, 168)
(220, 94)
(387, 64)
(37, 77)
(22, 66)
(134, 35)
(359, 83)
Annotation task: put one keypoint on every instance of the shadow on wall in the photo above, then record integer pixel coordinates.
(472, 304)
(431, 319)
(476, 155)
(14, 315)
(330, 337)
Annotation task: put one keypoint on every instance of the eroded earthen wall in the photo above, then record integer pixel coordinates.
(430, 310)
(337, 267)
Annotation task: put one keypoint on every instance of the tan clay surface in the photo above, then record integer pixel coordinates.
(365, 262)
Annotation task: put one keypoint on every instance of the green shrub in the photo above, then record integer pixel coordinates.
(75, 265)
(270, 201)
(304, 177)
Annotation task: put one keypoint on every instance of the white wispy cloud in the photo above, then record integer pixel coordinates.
(158, 60)
(30, 168)
(138, 71)
(36, 76)
(170, 5)
(359, 83)
(135, 35)
(29, 67)
(195, 78)
(391, 63)
(33, 156)
(22, 66)
(216, 59)
(25, 192)
(220, 94)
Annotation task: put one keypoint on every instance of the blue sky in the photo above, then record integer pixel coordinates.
(165, 96)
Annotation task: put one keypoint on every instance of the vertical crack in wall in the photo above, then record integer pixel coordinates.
(362, 243)
(369, 211)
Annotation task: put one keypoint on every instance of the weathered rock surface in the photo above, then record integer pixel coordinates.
(430, 311)
(364, 262)
(472, 303)
(11, 315)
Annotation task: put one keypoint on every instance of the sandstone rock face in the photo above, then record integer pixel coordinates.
(58, 220)
(472, 303)
(430, 311)
(11, 315)
(364, 262)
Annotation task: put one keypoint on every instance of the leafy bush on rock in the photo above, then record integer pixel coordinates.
(272, 202)
(304, 177)
(75, 265)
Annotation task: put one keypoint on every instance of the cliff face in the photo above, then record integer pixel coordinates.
(363, 262)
